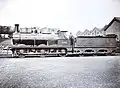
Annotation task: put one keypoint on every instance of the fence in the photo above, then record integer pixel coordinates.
(5, 52)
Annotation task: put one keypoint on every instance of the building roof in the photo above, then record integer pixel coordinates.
(114, 19)
(79, 33)
(86, 30)
(94, 29)
(104, 27)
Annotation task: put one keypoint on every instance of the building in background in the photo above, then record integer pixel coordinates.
(86, 33)
(79, 33)
(113, 27)
(6, 31)
(96, 32)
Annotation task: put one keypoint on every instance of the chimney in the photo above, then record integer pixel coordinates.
(17, 28)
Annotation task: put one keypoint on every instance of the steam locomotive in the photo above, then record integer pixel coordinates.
(43, 42)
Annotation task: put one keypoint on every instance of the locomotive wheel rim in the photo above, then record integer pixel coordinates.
(42, 56)
(21, 56)
(42, 51)
(62, 51)
(21, 51)
(63, 54)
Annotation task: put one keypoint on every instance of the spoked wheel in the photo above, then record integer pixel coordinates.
(42, 53)
(14, 54)
(63, 53)
(20, 54)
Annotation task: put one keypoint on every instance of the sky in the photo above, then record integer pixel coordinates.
(70, 15)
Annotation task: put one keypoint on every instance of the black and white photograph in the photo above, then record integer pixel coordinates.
(59, 43)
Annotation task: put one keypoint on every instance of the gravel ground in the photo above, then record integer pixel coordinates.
(60, 72)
